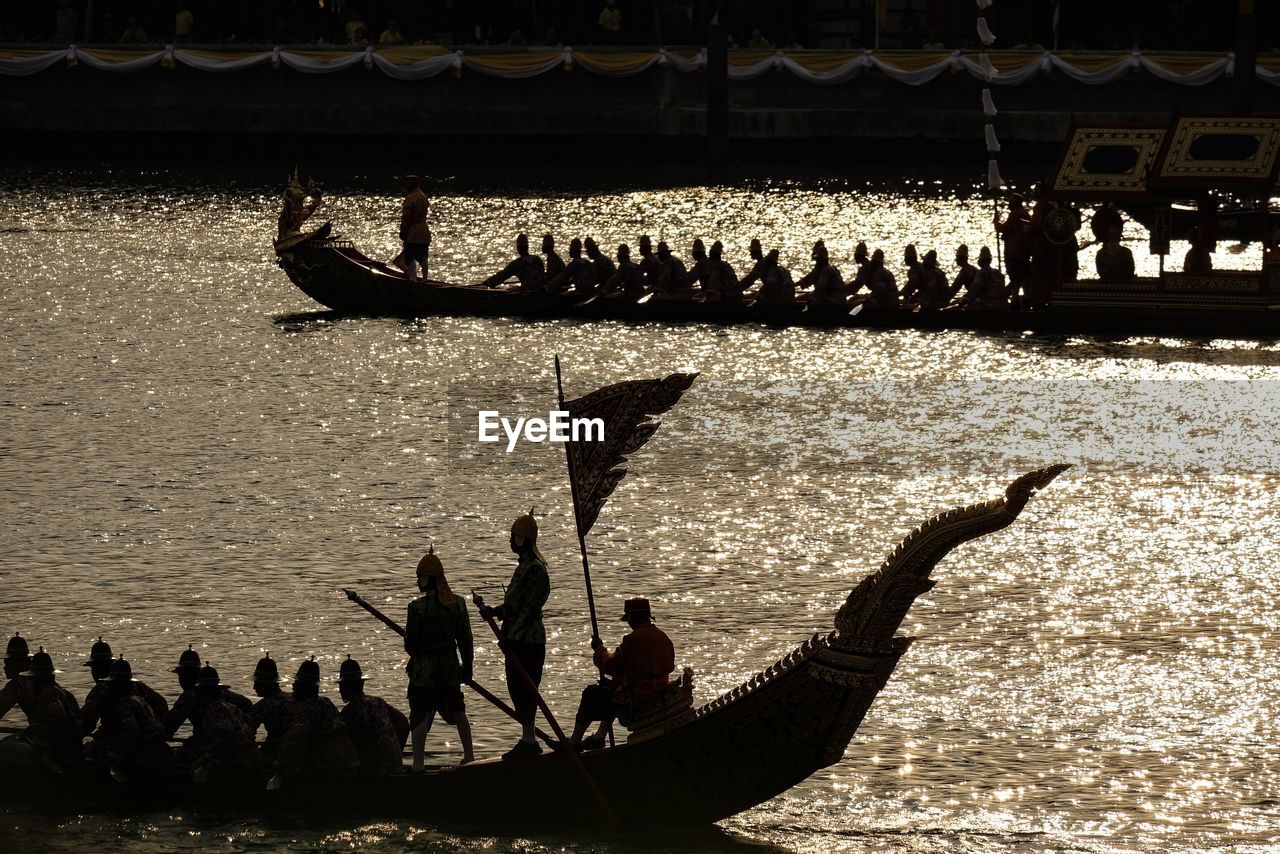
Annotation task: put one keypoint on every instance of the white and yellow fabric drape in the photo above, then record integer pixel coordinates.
(824, 67)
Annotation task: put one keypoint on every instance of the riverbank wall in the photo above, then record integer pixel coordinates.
(571, 112)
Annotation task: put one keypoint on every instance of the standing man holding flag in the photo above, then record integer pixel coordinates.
(523, 634)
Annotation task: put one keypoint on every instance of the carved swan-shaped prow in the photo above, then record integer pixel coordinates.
(877, 606)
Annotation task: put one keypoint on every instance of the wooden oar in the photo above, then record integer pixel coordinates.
(565, 747)
(470, 683)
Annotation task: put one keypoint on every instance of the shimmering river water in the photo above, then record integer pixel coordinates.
(188, 457)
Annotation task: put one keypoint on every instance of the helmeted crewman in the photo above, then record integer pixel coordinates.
(273, 709)
(524, 635)
(131, 739)
(221, 746)
(316, 740)
(99, 664)
(377, 728)
(441, 657)
(53, 716)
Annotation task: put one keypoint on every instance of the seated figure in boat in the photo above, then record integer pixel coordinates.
(721, 284)
(828, 286)
(776, 285)
(221, 746)
(579, 273)
(627, 282)
(526, 268)
(53, 732)
(756, 252)
(272, 710)
(673, 281)
(915, 275)
(863, 260)
(964, 271)
(648, 263)
(881, 284)
(131, 739)
(441, 657)
(99, 664)
(1198, 261)
(316, 740)
(1115, 260)
(378, 729)
(933, 293)
(185, 708)
(641, 668)
(698, 268)
(555, 264)
(988, 290)
(602, 268)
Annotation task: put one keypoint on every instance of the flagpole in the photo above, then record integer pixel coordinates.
(577, 521)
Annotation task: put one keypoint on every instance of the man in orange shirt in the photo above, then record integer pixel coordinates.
(640, 666)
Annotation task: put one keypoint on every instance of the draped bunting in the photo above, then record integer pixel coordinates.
(824, 67)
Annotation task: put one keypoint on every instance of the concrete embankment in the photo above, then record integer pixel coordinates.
(662, 107)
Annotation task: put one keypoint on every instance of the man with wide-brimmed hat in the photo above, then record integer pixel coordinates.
(524, 636)
(641, 667)
(441, 657)
(221, 745)
(99, 664)
(184, 708)
(316, 740)
(275, 707)
(131, 739)
(53, 716)
(378, 729)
